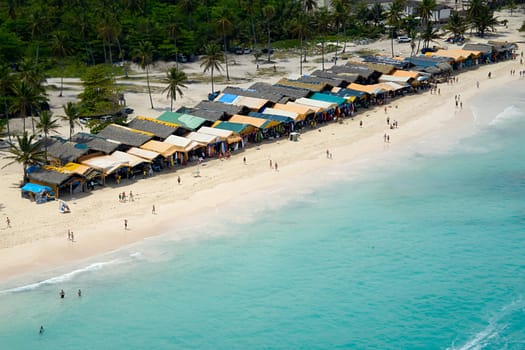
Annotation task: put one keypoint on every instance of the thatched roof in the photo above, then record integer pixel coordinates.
(267, 95)
(222, 107)
(289, 92)
(328, 82)
(345, 79)
(313, 87)
(95, 142)
(483, 48)
(160, 130)
(65, 151)
(50, 177)
(388, 62)
(204, 113)
(126, 136)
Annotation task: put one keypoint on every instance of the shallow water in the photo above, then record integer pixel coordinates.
(424, 251)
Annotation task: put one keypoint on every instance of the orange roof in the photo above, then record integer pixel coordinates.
(302, 110)
(456, 54)
(405, 73)
(253, 121)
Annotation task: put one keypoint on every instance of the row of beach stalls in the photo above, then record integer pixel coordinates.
(238, 116)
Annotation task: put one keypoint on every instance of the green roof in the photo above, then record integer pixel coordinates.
(186, 121)
(235, 127)
(328, 98)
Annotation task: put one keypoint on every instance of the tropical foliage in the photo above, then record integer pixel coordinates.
(25, 150)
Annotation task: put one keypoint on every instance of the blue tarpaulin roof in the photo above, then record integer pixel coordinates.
(35, 188)
(227, 98)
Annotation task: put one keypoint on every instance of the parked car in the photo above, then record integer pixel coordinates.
(247, 51)
(403, 39)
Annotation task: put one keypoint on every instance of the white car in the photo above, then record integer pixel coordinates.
(403, 39)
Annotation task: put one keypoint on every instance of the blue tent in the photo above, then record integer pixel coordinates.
(35, 188)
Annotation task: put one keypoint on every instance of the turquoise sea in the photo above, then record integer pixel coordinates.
(422, 247)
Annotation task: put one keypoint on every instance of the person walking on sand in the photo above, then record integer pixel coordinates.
(477, 84)
(72, 237)
(131, 196)
(8, 222)
(461, 105)
(125, 224)
(276, 167)
(388, 138)
(388, 120)
(327, 154)
(361, 123)
(178, 180)
(244, 160)
(153, 209)
(271, 164)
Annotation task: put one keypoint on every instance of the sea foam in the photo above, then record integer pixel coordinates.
(70, 275)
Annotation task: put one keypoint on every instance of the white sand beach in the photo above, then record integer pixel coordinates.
(37, 239)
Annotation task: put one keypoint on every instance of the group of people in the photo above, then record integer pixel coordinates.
(122, 196)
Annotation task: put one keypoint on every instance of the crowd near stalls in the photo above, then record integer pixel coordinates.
(235, 118)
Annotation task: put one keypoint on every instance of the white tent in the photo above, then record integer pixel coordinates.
(143, 153)
(316, 103)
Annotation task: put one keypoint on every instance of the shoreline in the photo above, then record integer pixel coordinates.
(421, 117)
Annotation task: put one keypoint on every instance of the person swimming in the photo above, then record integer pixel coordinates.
(62, 294)
(41, 331)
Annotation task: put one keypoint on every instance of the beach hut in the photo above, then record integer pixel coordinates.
(267, 95)
(244, 130)
(286, 124)
(96, 143)
(344, 78)
(265, 128)
(299, 119)
(327, 110)
(186, 121)
(253, 103)
(230, 141)
(165, 149)
(126, 136)
(56, 181)
(287, 93)
(36, 192)
(136, 165)
(315, 87)
(159, 129)
(302, 112)
(212, 143)
(227, 110)
(61, 151)
(358, 98)
(187, 149)
(87, 173)
(461, 58)
(329, 82)
(153, 157)
(344, 105)
(107, 165)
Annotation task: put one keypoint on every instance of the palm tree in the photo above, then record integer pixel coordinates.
(429, 34)
(299, 27)
(26, 100)
(394, 18)
(109, 30)
(60, 48)
(323, 19)
(456, 25)
(269, 14)
(175, 80)
(309, 5)
(341, 11)
(26, 151)
(425, 10)
(211, 60)
(71, 116)
(225, 28)
(46, 124)
(173, 29)
(144, 53)
(377, 13)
